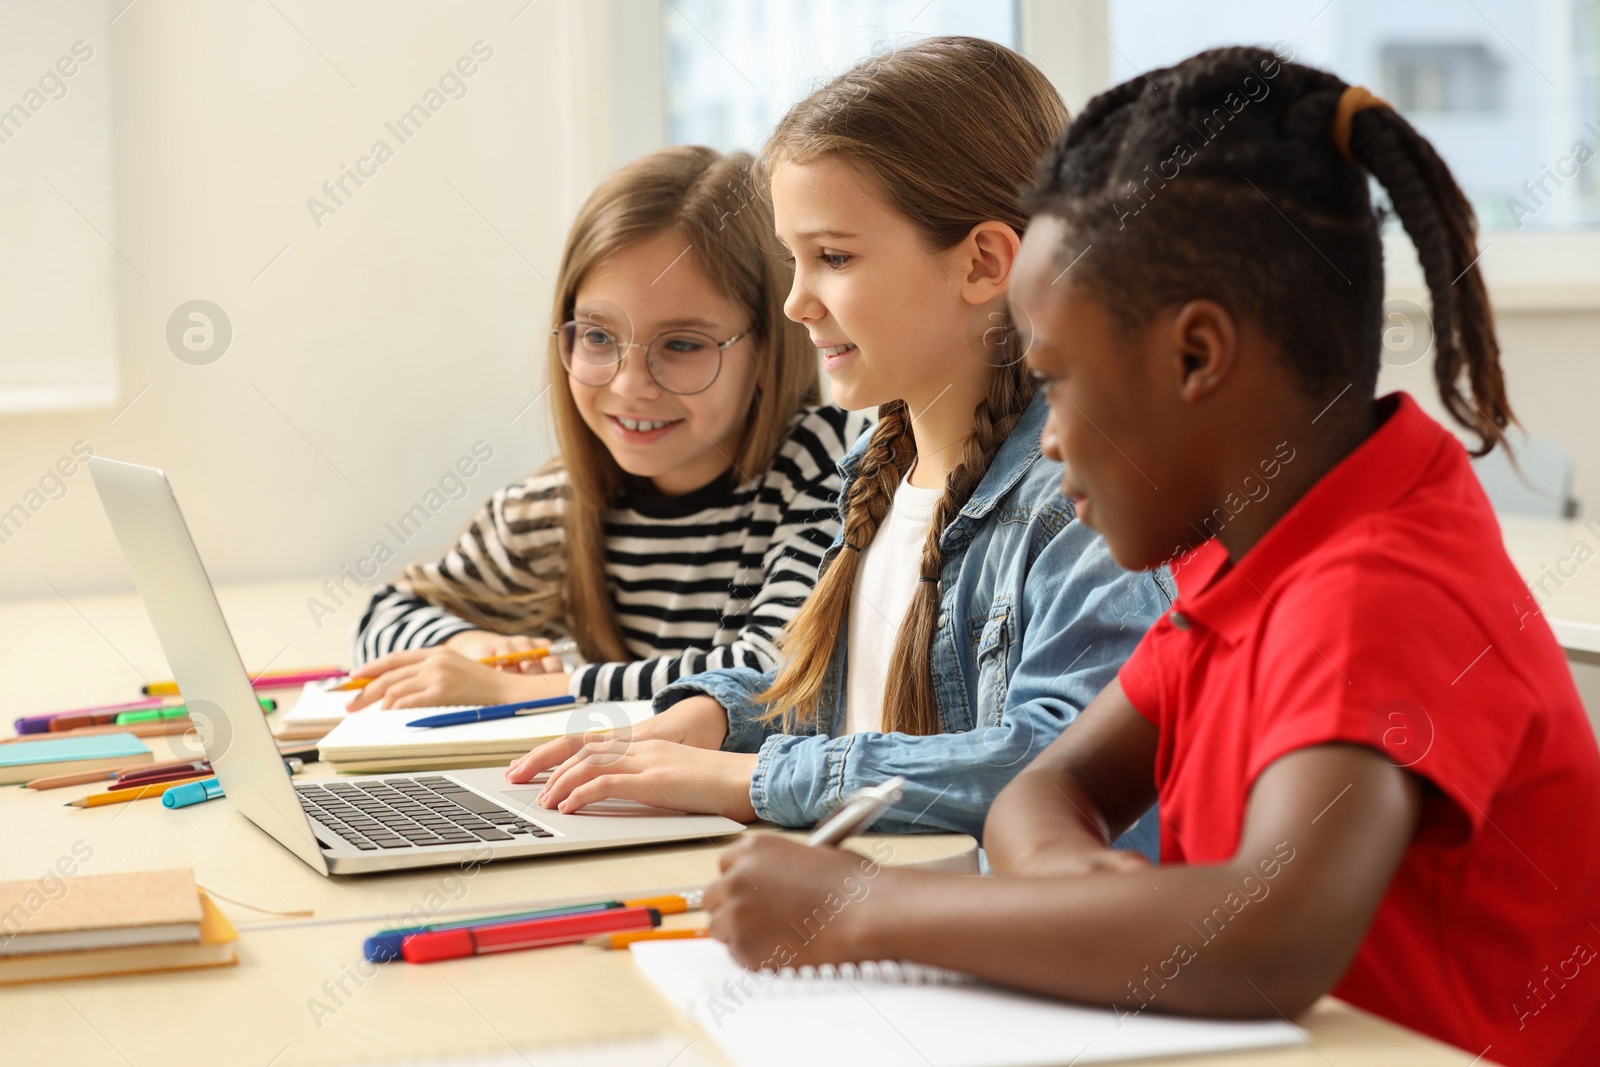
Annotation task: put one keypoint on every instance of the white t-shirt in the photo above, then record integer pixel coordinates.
(886, 580)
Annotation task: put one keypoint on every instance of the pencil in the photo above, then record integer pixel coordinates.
(57, 781)
(487, 661)
(623, 940)
(95, 800)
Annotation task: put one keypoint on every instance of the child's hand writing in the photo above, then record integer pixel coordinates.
(771, 889)
(481, 644)
(422, 678)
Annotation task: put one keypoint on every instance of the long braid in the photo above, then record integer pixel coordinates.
(909, 702)
(1441, 224)
(795, 695)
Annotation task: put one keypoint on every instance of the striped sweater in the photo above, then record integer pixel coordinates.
(700, 581)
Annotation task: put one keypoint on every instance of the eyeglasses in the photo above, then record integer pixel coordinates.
(683, 362)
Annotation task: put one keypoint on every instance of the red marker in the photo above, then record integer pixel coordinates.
(535, 933)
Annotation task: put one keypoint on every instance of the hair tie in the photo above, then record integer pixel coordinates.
(922, 579)
(848, 545)
(1354, 98)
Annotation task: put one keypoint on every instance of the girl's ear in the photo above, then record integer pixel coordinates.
(1204, 341)
(987, 256)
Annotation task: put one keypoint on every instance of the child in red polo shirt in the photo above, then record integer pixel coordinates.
(1374, 774)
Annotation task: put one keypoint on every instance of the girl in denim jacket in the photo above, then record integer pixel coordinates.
(963, 617)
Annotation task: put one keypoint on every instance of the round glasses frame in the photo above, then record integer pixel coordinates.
(566, 334)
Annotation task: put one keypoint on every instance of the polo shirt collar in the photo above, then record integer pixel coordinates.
(1371, 479)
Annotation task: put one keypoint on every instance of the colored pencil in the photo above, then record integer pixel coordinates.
(95, 800)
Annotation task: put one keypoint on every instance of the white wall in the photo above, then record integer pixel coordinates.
(369, 353)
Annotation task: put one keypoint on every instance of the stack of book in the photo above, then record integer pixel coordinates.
(94, 926)
(379, 740)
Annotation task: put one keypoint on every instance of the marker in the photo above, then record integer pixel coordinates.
(488, 714)
(176, 711)
(38, 724)
(384, 946)
(192, 792)
(536, 933)
(265, 680)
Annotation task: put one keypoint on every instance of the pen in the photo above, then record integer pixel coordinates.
(95, 800)
(859, 811)
(141, 781)
(490, 713)
(265, 680)
(624, 940)
(488, 661)
(192, 792)
(149, 769)
(535, 933)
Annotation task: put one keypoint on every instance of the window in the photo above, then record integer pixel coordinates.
(1442, 78)
(733, 67)
(1506, 90)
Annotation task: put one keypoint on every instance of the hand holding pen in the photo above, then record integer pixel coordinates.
(433, 676)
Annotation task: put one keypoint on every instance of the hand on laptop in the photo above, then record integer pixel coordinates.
(429, 677)
(699, 722)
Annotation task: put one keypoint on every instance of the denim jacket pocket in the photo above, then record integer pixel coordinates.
(991, 657)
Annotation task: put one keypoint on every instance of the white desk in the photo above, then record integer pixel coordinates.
(301, 994)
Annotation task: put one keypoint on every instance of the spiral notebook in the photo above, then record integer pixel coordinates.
(906, 1015)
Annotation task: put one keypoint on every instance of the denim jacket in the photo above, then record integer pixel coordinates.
(1035, 619)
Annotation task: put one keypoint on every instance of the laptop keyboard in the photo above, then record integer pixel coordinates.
(407, 812)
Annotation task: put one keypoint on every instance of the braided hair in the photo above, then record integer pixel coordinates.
(951, 128)
(1218, 178)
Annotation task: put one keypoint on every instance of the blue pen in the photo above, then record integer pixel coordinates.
(181, 796)
(490, 713)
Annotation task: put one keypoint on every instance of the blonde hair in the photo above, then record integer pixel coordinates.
(951, 129)
(716, 204)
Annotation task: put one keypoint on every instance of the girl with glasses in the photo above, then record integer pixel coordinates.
(683, 522)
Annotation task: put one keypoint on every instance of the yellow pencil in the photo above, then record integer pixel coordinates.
(487, 661)
(626, 939)
(95, 800)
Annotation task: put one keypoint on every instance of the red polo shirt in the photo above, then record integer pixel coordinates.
(1382, 610)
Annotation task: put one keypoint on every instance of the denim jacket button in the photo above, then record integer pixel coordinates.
(944, 620)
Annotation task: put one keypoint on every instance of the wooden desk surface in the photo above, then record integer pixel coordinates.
(1560, 561)
(302, 993)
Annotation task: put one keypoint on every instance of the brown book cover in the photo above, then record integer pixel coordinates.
(214, 949)
(97, 910)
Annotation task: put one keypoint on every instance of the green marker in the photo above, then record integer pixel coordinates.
(176, 711)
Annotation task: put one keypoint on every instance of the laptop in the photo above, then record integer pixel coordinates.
(354, 825)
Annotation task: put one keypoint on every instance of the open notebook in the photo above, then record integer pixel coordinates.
(889, 1015)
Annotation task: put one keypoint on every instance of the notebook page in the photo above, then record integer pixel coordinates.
(779, 1021)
